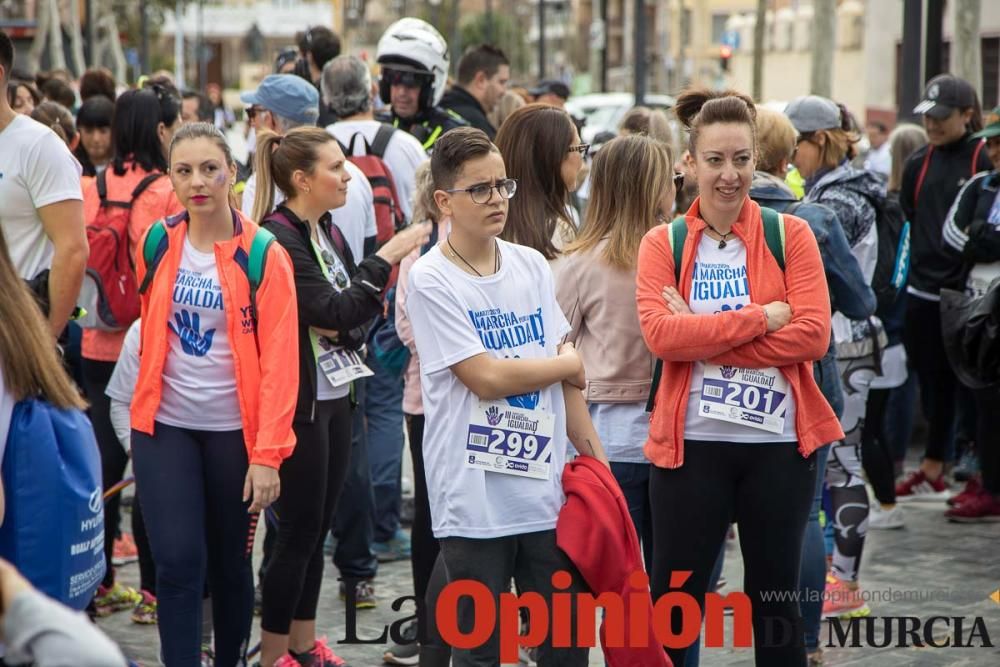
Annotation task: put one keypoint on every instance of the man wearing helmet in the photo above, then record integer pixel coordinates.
(414, 60)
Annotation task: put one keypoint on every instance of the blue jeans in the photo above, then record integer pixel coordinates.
(384, 414)
(197, 522)
(352, 522)
(812, 571)
(633, 478)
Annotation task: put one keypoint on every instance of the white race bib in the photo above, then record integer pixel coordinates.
(340, 366)
(754, 397)
(510, 440)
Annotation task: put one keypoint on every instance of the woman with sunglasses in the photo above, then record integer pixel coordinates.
(541, 148)
(631, 192)
(335, 300)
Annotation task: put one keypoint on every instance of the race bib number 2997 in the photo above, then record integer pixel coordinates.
(509, 440)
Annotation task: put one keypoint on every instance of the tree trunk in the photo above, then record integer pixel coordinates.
(758, 50)
(56, 57)
(823, 45)
(41, 32)
(967, 57)
(76, 40)
(119, 66)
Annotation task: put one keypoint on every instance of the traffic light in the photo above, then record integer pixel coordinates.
(725, 55)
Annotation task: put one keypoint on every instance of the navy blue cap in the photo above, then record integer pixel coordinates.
(287, 95)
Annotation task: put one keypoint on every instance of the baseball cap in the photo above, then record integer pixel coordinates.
(812, 112)
(945, 93)
(286, 95)
(550, 86)
(992, 122)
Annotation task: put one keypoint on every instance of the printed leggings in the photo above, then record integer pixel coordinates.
(198, 525)
(311, 481)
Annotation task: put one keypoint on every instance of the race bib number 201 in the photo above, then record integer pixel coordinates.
(754, 397)
(509, 440)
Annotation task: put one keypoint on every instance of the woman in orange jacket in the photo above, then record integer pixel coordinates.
(214, 400)
(737, 414)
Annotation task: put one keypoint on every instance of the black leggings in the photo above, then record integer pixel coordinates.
(876, 453)
(424, 545)
(767, 489)
(311, 481)
(114, 459)
(938, 384)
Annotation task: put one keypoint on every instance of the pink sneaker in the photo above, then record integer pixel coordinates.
(287, 661)
(980, 508)
(972, 489)
(842, 601)
(323, 656)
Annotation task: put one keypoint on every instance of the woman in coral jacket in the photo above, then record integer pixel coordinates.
(214, 401)
(737, 413)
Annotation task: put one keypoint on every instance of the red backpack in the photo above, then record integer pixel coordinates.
(388, 214)
(109, 293)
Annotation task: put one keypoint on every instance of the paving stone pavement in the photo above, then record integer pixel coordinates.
(929, 556)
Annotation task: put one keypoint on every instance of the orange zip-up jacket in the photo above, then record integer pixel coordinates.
(266, 384)
(736, 337)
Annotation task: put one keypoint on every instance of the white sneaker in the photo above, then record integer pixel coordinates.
(881, 519)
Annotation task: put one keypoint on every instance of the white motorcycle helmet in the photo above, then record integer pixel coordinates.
(413, 45)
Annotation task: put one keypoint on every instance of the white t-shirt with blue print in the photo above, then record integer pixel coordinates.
(719, 284)
(456, 316)
(199, 381)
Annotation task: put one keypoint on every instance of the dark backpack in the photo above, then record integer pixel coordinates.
(109, 294)
(388, 213)
(774, 236)
(383, 340)
(892, 265)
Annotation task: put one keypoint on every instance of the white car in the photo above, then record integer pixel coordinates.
(604, 111)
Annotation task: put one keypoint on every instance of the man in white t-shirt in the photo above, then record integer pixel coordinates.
(347, 86)
(286, 101)
(41, 204)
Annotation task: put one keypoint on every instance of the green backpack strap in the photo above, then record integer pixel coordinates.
(676, 235)
(259, 247)
(774, 234)
(153, 250)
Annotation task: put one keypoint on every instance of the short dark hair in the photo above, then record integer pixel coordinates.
(6, 54)
(484, 58)
(59, 91)
(322, 43)
(98, 81)
(134, 133)
(453, 150)
(206, 110)
(96, 111)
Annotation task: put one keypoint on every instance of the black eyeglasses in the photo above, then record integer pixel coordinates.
(582, 149)
(398, 77)
(483, 193)
(678, 181)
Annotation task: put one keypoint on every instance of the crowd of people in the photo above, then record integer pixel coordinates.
(738, 332)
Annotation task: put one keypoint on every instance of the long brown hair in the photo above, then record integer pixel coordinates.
(628, 179)
(905, 140)
(533, 142)
(31, 365)
(278, 157)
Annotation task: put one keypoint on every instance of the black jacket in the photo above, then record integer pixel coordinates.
(320, 304)
(948, 168)
(427, 126)
(462, 102)
(968, 233)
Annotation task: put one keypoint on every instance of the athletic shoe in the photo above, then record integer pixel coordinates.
(286, 661)
(881, 519)
(124, 551)
(972, 489)
(980, 508)
(321, 655)
(145, 612)
(406, 653)
(842, 601)
(918, 488)
(364, 594)
(968, 466)
(117, 598)
(397, 548)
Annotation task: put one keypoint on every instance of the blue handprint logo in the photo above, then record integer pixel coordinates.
(188, 330)
(493, 415)
(529, 400)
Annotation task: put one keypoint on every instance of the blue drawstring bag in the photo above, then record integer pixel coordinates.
(53, 529)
